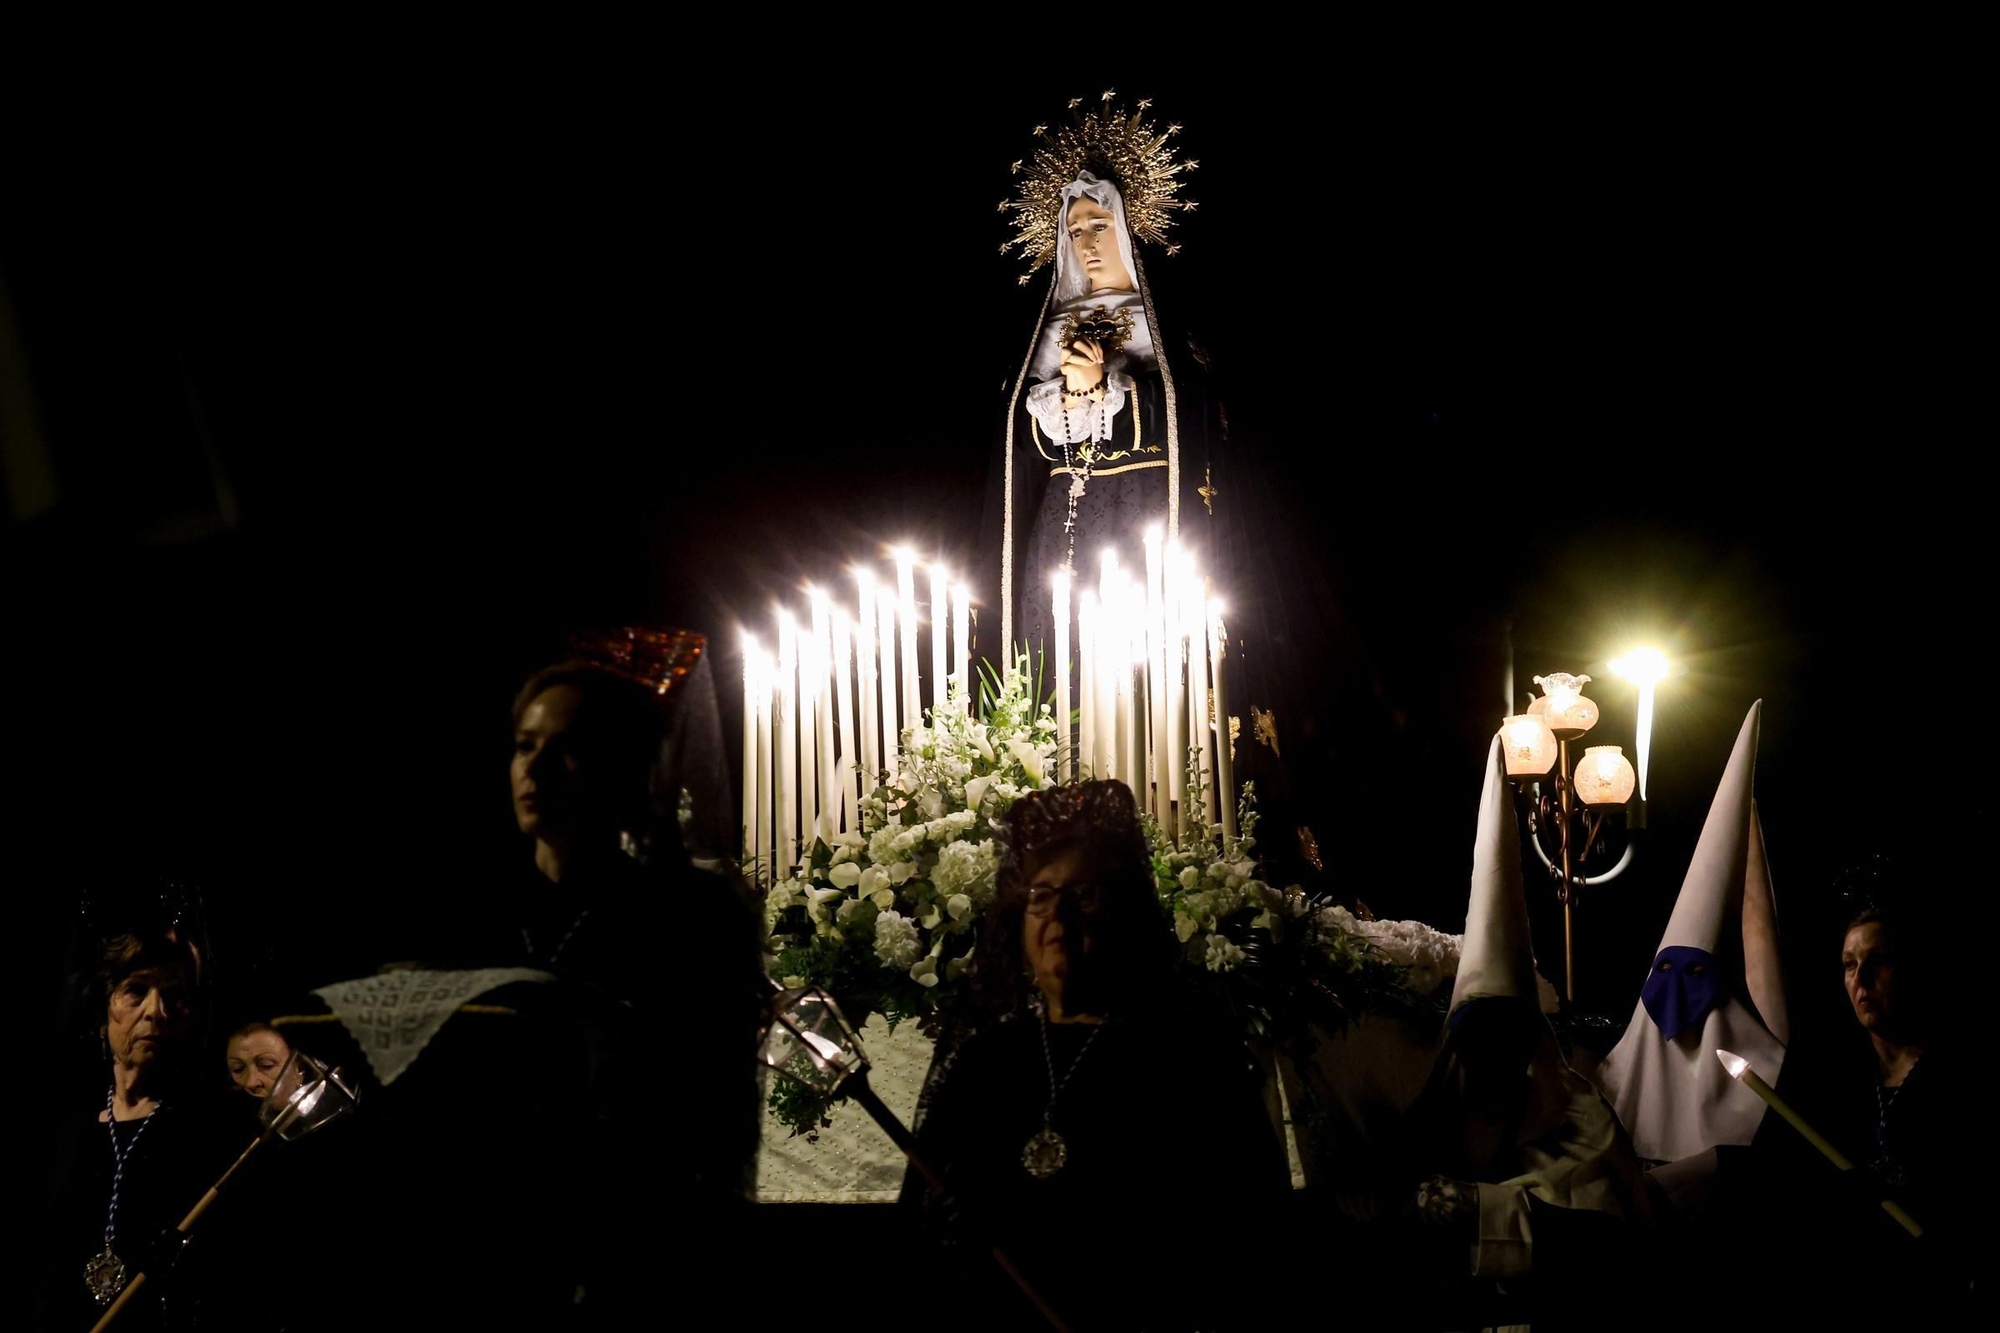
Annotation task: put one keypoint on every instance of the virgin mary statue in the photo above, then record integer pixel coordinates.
(1105, 437)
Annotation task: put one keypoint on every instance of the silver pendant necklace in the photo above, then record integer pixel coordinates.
(104, 1274)
(1046, 1153)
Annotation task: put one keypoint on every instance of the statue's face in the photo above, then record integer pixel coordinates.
(1094, 238)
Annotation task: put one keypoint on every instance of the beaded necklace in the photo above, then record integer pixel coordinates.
(104, 1274)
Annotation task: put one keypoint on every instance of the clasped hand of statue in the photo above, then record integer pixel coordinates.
(1083, 371)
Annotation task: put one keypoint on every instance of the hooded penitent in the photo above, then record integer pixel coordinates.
(1715, 981)
(1566, 1150)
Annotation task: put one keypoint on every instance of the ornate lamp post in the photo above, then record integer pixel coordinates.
(1573, 808)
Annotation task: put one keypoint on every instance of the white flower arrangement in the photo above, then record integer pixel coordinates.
(887, 915)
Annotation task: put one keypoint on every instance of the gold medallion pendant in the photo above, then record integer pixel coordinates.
(1045, 1154)
(104, 1275)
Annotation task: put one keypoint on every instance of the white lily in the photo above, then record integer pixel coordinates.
(1029, 758)
(846, 874)
(873, 881)
(958, 905)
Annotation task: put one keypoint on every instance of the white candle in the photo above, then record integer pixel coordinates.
(1225, 760)
(864, 655)
(1086, 684)
(1173, 643)
(1140, 764)
(1065, 747)
(906, 608)
(885, 621)
(1156, 680)
(843, 685)
(940, 618)
(808, 740)
(961, 646)
(1197, 622)
(749, 805)
(829, 767)
(785, 775)
(767, 834)
(1121, 753)
(1110, 656)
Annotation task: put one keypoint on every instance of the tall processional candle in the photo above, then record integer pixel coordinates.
(786, 775)
(1109, 656)
(864, 655)
(885, 619)
(843, 687)
(1142, 706)
(808, 740)
(749, 806)
(961, 645)
(1156, 676)
(1174, 642)
(1225, 759)
(767, 833)
(1065, 748)
(906, 608)
(1119, 658)
(829, 770)
(1198, 698)
(1086, 685)
(940, 619)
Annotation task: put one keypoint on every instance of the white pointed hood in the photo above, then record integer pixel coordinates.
(1714, 981)
(1497, 958)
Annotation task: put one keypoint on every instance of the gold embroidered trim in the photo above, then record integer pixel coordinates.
(1112, 471)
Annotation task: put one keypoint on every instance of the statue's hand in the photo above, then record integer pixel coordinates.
(1082, 366)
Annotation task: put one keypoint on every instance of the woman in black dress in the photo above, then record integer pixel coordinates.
(1091, 1122)
(135, 1164)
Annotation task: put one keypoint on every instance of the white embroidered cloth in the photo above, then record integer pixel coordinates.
(854, 1162)
(393, 1015)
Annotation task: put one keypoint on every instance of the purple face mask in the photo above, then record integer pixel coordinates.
(1683, 987)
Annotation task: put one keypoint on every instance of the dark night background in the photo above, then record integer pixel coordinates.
(330, 409)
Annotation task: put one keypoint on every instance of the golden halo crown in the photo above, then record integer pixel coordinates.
(1128, 150)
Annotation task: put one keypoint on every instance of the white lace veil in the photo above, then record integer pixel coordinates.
(1071, 280)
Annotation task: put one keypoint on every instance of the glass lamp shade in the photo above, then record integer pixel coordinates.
(810, 1041)
(1568, 713)
(1605, 776)
(307, 1095)
(1529, 745)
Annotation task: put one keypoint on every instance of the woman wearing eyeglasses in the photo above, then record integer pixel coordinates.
(1092, 1125)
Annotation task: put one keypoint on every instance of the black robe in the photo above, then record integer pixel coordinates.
(1170, 1151)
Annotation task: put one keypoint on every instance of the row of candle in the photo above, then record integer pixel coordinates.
(832, 704)
(1150, 684)
(830, 708)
